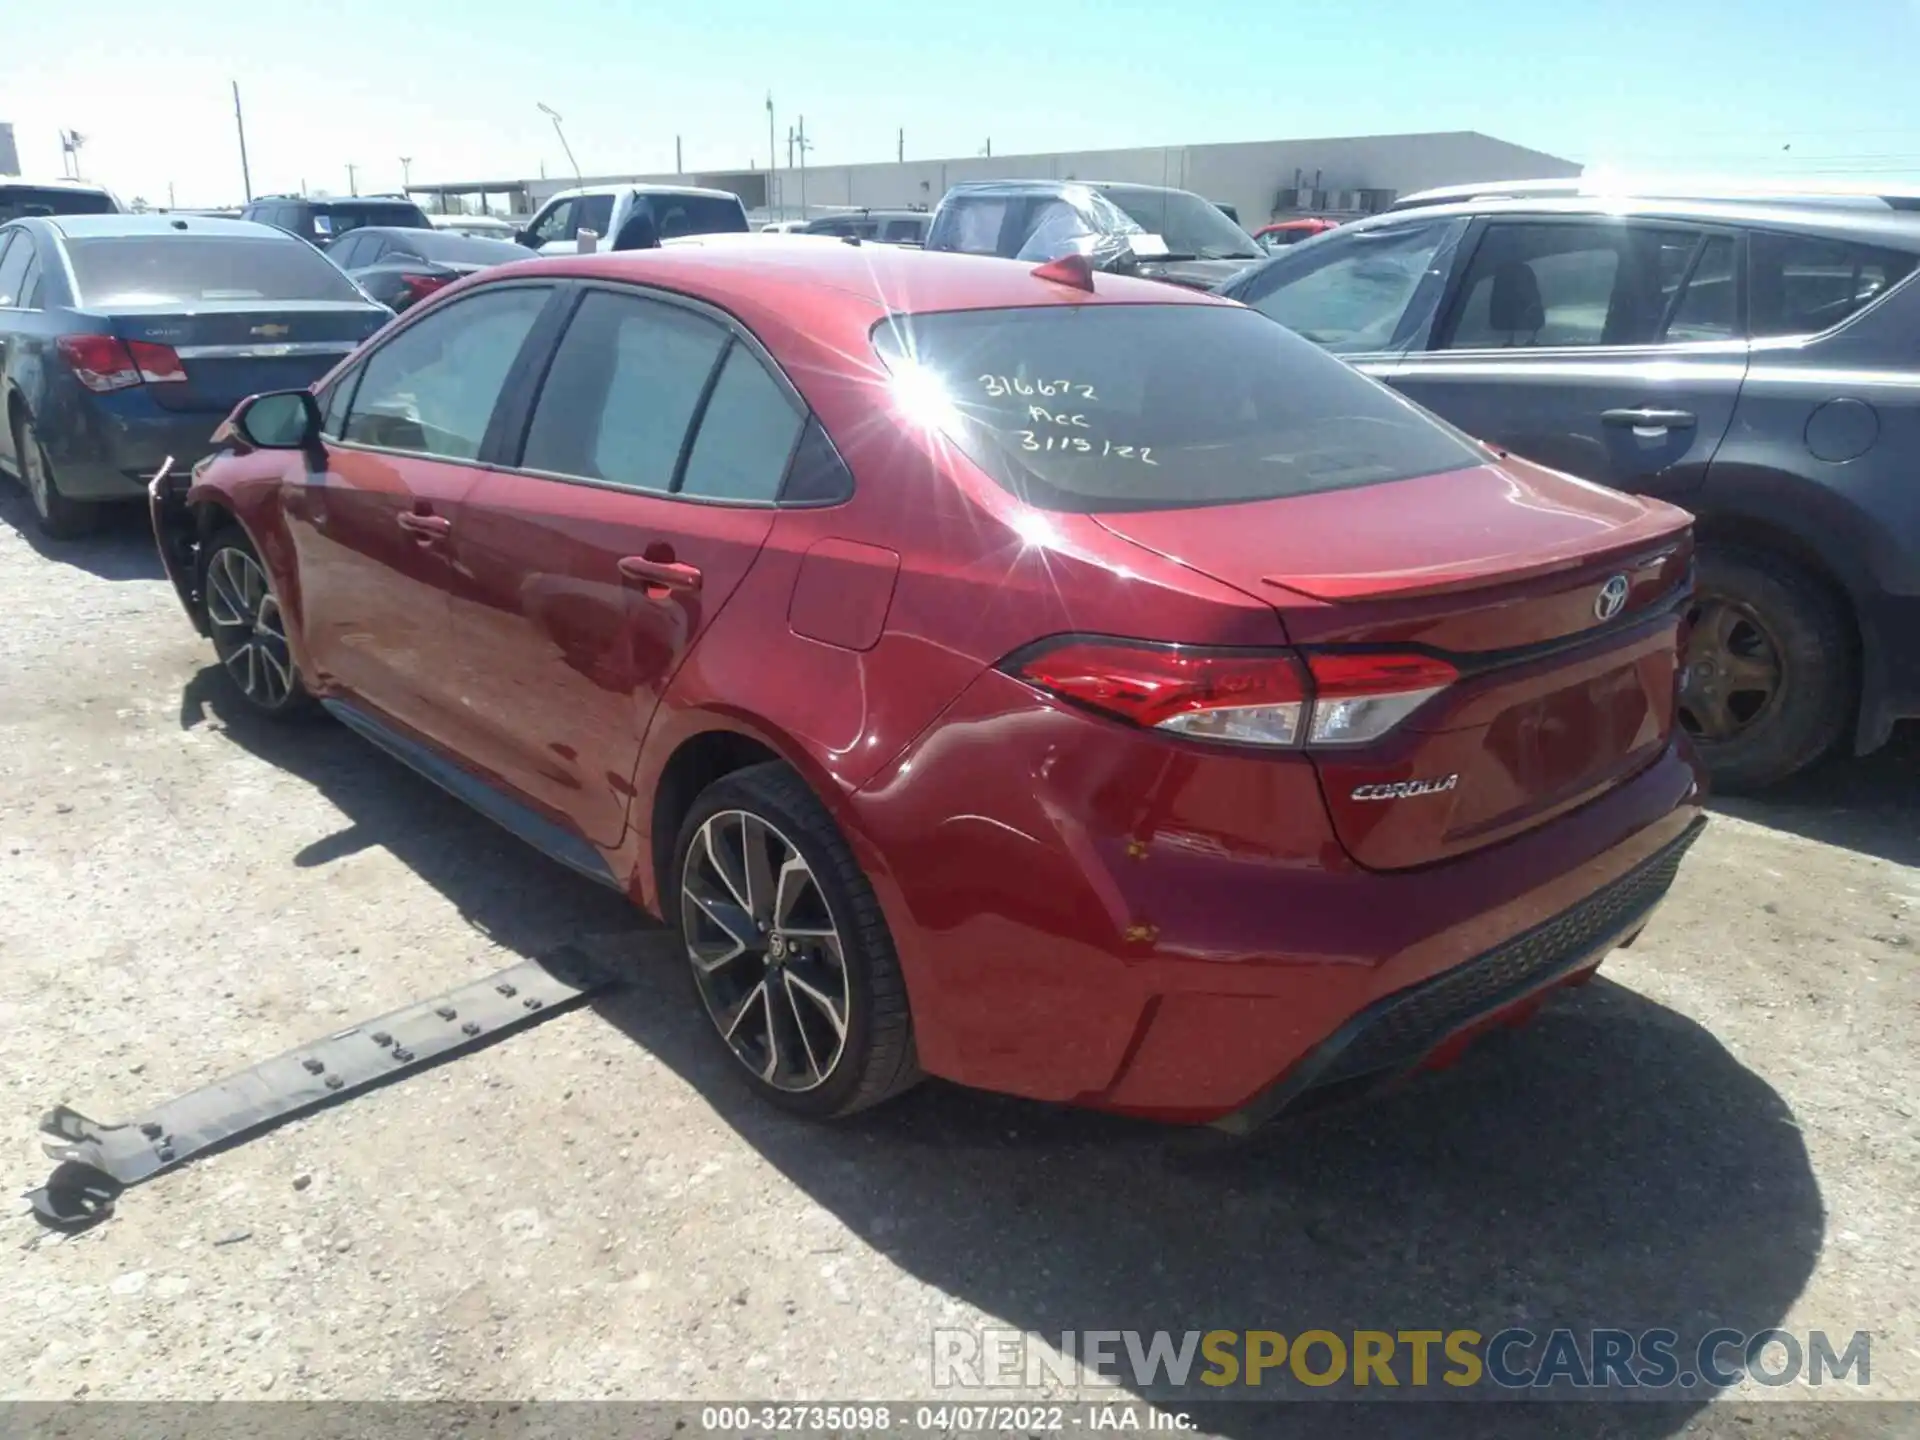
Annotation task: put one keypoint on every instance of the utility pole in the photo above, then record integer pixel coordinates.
(406, 172)
(988, 152)
(679, 167)
(902, 155)
(773, 156)
(353, 183)
(240, 124)
(170, 202)
(800, 140)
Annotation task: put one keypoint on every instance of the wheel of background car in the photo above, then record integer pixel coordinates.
(59, 518)
(788, 950)
(1768, 675)
(249, 630)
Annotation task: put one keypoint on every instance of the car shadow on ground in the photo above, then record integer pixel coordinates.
(120, 548)
(504, 888)
(1611, 1165)
(1870, 803)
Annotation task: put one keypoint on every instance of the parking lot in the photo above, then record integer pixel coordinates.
(1721, 1130)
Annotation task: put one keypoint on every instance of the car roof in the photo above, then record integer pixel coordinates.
(100, 227)
(1895, 229)
(1055, 187)
(638, 189)
(768, 272)
(1760, 191)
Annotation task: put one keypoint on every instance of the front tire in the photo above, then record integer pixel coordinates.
(248, 627)
(788, 950)
(1769, 674)
(59, 518)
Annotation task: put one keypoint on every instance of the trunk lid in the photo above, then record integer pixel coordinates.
(1499, 570)
(233, 349)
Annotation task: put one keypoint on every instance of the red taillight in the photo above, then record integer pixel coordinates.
(99, 362)
(421, 286)
(1264, 697)
(158, 364)
(104, 363)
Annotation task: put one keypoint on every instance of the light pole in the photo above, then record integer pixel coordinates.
(406, 172)
(353, 183)
(554, 115)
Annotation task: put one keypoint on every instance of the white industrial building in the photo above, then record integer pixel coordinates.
(1261, 179)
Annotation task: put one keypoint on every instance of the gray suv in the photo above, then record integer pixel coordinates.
(1754, 363)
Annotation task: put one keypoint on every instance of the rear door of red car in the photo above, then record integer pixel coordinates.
(630, 498)
(372, 527)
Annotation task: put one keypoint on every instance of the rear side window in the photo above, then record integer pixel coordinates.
(1801, 285)
(182, 269)
(972, 224)
(623, 389)
(747, 434)
(1092, 408)
(14, 259)
(338, 219)
(432, 389)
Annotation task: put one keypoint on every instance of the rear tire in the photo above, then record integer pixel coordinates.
(790, 956)
(59, 518)
(248, 627)
(1770, 673)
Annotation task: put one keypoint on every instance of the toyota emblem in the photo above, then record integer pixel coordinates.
(1612, 598)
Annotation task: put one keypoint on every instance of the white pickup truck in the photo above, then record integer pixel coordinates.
(658, 213)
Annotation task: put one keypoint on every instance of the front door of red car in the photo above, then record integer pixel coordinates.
(592, 560)
(373, 528)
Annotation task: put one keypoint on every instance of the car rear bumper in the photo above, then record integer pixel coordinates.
(1093, 914)
(117, 446)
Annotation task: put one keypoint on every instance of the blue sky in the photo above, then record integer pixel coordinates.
(1747, 86)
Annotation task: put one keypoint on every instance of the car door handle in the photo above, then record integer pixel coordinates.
(665, 573)
(1649, 419)
(426, 527)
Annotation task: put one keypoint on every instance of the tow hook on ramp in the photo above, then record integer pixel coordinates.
(99, 1160)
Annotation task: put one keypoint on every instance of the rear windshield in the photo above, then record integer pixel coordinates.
(166, 269)
(677, 215)
(17, 201)
(1101, 408)
(337, 219)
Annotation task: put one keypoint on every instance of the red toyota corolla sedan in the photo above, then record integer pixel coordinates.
(1064, 684)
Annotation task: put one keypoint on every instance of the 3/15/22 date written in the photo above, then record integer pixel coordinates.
(1081, 445)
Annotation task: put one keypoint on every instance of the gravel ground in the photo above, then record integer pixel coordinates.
(1721, 1131)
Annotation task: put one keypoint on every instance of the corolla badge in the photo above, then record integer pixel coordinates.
(1612, 598)
(1406, 789)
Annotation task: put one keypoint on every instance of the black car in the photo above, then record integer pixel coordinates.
(323, 221)
(1144, 230)
(889, 227)
(126, 339)
(398, 267)
(1756, 364)
(21, 198)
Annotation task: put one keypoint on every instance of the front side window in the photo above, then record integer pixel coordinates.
(432, 389)
(1092, 408)
(182, 269)
(556, 224)
(1801, 284)
(622, 391)
(1353, 295)
(593, 212)
(1540, 285)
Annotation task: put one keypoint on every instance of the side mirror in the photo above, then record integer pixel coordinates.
(280, 420)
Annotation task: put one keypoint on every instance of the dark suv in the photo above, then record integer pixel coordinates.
(1753, 363)
(1144, 230)
(322, 221)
